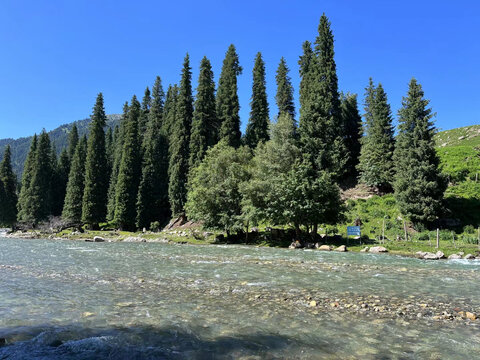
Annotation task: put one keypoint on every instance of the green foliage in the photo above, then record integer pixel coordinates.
(376, 165)
(353, 130)
(72, 209)
(8, 196)
(284, 96)
(170, 110)
(204, 116)
(460, 163)
(257, 127)
(321, 125)
(463, 136)
(227, 99)
(418, 186)
(129, 172)
(25, 213)
(96, 183)
(152, 199)
(60, 169)
(179, 142)
(214, 191)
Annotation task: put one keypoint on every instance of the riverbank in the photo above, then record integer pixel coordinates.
(196, 236)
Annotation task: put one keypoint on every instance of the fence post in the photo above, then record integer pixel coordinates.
(453, 239)
(405, 229)
(438, 239)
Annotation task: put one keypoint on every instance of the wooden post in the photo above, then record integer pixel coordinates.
(453, 239)
(405, 230)
(438, 239)
(429, 240)
(383, 231)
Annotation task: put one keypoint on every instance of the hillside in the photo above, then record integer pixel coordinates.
(58, 136)
(464, 136)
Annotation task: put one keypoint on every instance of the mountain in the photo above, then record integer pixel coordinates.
(58, 136)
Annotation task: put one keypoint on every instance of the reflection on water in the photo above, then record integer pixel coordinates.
(65, 299)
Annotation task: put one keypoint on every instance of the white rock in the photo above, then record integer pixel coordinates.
(378, 249)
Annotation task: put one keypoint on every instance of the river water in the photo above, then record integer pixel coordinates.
(80, 300)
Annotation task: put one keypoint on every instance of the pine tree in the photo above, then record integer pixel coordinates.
(179, 143)
(72, 209)
(129, 172)
(61, 169)
(227, 99)
(96, 182)
(145, 109)
(321, 126)
(376, 166)
(72, 142)
(117, 158)
(25, 213)
(353, 130)
(41, 185)
(419, 186)
(152, 199)
(204, 116)
(109, 150)
(8, 205)
(284, 96)
(257, 128)
(169, 110)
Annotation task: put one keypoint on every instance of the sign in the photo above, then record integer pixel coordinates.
(353, 230)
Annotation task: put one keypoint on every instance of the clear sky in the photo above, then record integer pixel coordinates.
(57, 55)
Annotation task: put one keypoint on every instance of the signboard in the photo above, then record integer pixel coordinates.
(353, 230)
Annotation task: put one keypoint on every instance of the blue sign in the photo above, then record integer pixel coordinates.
(353, 230)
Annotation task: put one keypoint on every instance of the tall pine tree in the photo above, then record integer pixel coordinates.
(227, 99)
(180, 142)
(129, 172)
(152, 199)
(376, 166)
(257, 127)
(25, 212)
(96, 182)
(204, 115)
(72, 209)
(284, 96)
(145, 109)
(353, 131)
(321, 126)
(170, 110)
(8, 206)
(419, 186)
(72, 142)
(61, 169)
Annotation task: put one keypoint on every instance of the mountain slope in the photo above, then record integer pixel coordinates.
(58, 136)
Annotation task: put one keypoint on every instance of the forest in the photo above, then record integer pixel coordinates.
(179, 154)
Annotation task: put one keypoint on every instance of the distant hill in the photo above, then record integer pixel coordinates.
(59, 136)
(464, 136)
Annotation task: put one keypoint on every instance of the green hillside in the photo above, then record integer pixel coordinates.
(58, 136)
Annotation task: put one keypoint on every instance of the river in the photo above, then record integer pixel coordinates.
(80, 300)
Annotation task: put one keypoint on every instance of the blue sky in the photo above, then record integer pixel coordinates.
(57, 55)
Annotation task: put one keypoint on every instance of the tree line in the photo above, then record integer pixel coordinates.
(175, 153)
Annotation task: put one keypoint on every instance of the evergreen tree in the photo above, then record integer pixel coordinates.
(8, 204)
(60, 171)
(353, 130)
(257, 128)
(321, 126)
(72, 209)
(179, 143)
(41, 185)
(169, 110)
(284, 96)
(204, 116)
(72, 142)
(96, 182)
(109, 150)
(25, 213)
(419, 186)
(376, 166)
(117, 158)
(227, 99)
(145, 109)
(129, 172)
(152, 199)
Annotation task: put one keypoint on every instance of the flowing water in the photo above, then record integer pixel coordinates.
(70, 299)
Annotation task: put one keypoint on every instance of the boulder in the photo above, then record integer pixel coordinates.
(440, 255)
(378, 249)
(98, 239)
(420, 254)
(469, 257)
(365, 249)
(324, 247)
(134, 239)
(470, 316)
(295, 245)
(430, 256)
(454, 257)
(341, 248)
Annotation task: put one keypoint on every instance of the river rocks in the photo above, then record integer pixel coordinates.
(454, 257)
(134, 239)
(470, 316)
(313, 303)
(426, 255)
(469, 257)
(341, 248)
(440, 255)
(295, 245)
(378, 249)
(365, 249)
(323, 247)
(98, 239)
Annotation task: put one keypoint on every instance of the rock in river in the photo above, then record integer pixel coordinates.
(341, 248)
(378, 249)
(454, 257)
(469, 257)
(98, 239)
(324, 247)
(440, 255)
